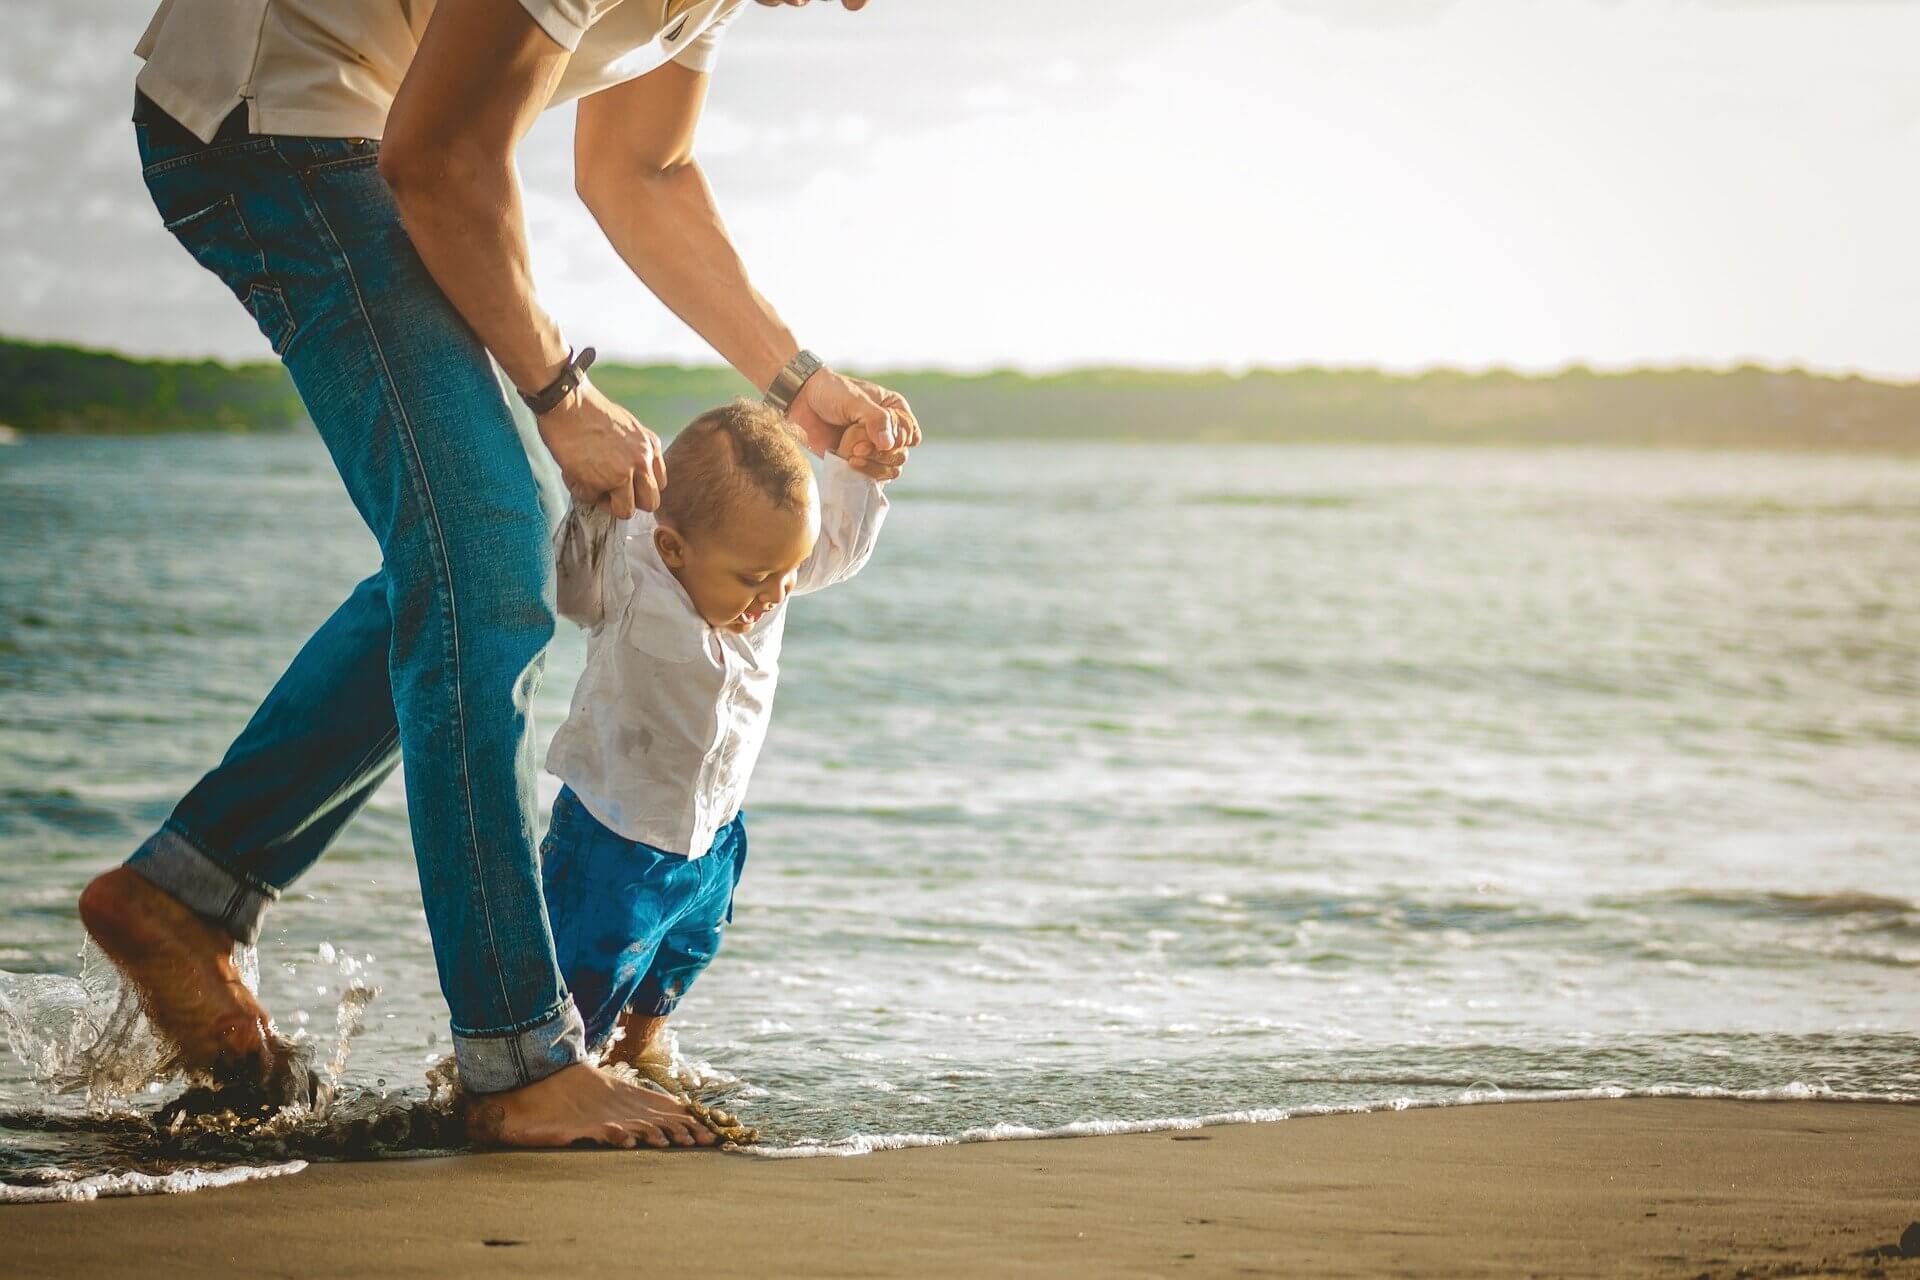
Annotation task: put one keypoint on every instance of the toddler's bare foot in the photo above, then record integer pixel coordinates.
(183, 969)
(638, 1046)
(582, 1103)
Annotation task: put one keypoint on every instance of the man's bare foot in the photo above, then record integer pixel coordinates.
(183, 969)
(582, 1103)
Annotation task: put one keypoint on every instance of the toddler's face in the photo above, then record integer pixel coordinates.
(742, 569)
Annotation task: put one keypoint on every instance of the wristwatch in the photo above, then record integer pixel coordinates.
(549, 397)
(787, 383)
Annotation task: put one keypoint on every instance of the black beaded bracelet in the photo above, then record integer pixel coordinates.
(549, 397)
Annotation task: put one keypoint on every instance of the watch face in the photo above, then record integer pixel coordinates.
(787, 383)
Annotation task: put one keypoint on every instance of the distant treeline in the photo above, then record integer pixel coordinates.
(57, 388)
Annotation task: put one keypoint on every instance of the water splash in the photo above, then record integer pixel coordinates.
(86, 1039)
(87, 1035)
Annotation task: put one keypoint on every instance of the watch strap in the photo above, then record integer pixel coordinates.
(787, 383)
(548, 398)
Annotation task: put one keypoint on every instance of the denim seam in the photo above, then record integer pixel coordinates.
(206, 153)
(325, 166)
(446, 571)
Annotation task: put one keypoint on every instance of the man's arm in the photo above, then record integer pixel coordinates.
(634, 168)
(482, 75)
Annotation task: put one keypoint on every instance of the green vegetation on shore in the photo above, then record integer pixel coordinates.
(47, 388)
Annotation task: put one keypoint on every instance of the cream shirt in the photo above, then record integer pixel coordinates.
(330, 68)
(670, 713)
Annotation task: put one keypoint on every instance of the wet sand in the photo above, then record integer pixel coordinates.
(1632, 1187)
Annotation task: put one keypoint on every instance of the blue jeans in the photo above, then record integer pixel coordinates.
(633, 925)
(431, 663)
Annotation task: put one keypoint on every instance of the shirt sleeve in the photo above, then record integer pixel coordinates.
(703, 50)
(585, 573)
(567, 20)
(852, 509)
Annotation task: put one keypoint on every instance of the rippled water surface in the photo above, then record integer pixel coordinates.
(1127, 782)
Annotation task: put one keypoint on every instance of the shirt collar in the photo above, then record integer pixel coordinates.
(648, 562)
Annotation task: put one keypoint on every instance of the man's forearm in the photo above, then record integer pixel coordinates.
(668, 229)
(463, 214)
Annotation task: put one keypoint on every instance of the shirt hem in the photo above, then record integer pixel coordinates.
(190, 111)
(186, 108)
(665, 841)
(559, 29)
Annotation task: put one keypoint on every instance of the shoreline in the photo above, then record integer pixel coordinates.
(1637, 1186)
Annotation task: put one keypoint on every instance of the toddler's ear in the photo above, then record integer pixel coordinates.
(671, 546)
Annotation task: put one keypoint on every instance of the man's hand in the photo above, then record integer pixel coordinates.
(606, 457)
(830, 404)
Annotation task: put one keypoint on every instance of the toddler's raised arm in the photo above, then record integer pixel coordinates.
(852, 509)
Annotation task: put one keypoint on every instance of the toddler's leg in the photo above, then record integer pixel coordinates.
(689, 947)
(609, 902)
(691, 942)
(638, 1034)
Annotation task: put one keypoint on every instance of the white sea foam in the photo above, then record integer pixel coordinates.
(865, 1143)
(103, 1185)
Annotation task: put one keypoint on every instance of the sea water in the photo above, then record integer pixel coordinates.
(1129, 785)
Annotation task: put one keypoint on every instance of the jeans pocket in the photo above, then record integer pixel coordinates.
(218, 239)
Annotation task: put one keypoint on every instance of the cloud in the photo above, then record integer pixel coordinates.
(1400, 181)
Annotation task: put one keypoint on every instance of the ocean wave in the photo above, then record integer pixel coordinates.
(60, 1187)
(866, 1143)
(1808, 906)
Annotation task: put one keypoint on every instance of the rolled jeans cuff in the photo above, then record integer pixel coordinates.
(495, 1061)
(171, 862)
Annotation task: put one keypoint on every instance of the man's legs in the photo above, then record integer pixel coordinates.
(319, 746)
(314, 753)
(305, 233)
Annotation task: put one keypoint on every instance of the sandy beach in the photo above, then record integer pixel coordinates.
(1632, 1187)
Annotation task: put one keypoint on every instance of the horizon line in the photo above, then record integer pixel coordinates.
(1228, 369)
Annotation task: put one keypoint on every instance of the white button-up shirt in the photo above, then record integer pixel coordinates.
(670, 713)
(330, 68)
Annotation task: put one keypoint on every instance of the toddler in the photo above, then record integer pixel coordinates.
(686, 607)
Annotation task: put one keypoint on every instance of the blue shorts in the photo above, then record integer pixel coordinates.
(633, 925)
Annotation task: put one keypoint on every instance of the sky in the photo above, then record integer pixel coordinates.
(1047, 183)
